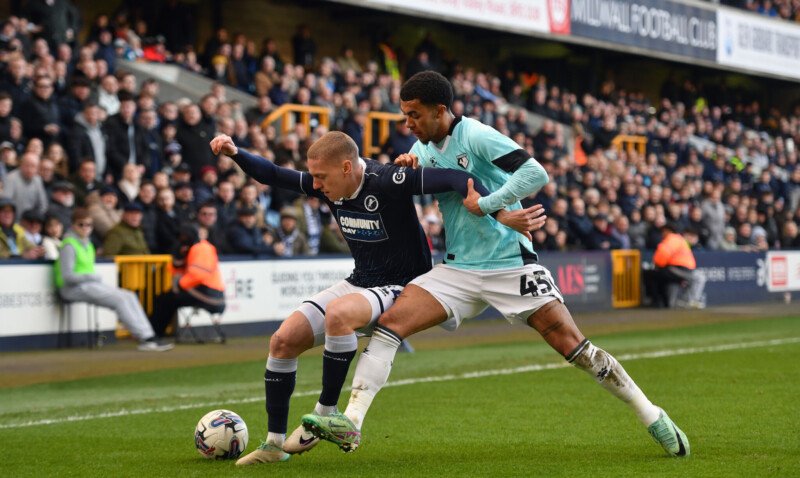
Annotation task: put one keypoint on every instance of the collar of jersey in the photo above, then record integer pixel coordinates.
(446, 141)
(363, 178)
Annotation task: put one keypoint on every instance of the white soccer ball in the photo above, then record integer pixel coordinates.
(221, 435)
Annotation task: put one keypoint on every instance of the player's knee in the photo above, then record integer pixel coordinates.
(554, 322)
(339, 317)
(285, 345)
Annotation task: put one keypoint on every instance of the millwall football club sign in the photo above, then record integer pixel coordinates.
(658, 25)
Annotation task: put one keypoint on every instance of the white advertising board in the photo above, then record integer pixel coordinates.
(783, 271)
(758, 43)
(255, 291)
(517, 15)
(28, 303)
(258, 291)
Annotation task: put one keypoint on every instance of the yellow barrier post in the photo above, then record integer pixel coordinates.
(630, 143)
(283, 113)
(148, 276)
(383, 119)
(626, 275)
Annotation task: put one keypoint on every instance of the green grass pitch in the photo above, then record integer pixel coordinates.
(733, 388)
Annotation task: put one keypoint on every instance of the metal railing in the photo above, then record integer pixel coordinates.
(289, 114)
(626, 278)
(286, 115)
(148, 276)
(383, 120)
(630, 143)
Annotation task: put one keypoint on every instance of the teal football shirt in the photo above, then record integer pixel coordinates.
(477, 243)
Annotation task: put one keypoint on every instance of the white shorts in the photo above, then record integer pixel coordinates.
(380, 298)
(516, 293)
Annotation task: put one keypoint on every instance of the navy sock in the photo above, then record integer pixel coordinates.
(278, 387)
(334, 371)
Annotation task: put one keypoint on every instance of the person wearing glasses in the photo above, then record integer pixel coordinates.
(77, 282)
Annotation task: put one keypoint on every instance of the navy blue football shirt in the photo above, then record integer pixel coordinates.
(379, 221)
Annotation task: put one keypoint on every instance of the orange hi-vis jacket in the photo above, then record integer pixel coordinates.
(202, 268)
(673, 250)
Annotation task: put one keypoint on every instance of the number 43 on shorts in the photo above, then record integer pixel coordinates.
(541, 284)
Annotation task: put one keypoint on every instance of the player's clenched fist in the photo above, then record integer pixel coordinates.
(223, 144)
(408, 160)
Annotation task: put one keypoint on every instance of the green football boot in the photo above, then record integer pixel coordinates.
(669, 436)
(335, 428)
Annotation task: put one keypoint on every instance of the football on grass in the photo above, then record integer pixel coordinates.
(221, 435)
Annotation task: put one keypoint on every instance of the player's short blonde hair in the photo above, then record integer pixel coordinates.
(334, 146)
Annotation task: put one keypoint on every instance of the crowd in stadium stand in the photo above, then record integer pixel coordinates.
(786, 9)
(77, 130)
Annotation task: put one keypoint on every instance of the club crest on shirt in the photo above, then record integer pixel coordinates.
(371, 203)
(463, 161)
(399, 176)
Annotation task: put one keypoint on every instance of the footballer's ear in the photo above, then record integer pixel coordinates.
(347, 167)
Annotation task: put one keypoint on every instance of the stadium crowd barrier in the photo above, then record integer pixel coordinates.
(626, 272)
(289, 115)
(384, 120)
(149, 276)
(630, 143)
(262, 292)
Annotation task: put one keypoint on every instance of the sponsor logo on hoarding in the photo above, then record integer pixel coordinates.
(559, 16)
(779, 271)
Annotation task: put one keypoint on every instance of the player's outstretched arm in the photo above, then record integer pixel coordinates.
(261, 169)
(436, 180)
(529, 178)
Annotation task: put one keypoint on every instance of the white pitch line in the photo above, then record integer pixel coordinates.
(412, 381)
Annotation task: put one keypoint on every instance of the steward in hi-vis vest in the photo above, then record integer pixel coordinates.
(76, 280)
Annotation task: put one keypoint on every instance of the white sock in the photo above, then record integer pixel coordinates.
(324, 410)
(276, 439)
(611, 376)
(372, 372)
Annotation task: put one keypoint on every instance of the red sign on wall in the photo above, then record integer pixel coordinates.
(570, 279)
(559, 16)
(779, 271)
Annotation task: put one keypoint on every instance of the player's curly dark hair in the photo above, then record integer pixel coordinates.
(429, 87)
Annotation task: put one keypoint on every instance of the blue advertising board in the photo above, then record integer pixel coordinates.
(584, 278)
(731, 277)
(656, 25)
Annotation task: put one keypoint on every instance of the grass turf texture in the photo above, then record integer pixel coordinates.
(738, 407)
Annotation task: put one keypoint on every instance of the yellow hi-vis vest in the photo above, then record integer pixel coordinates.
(84, 260)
